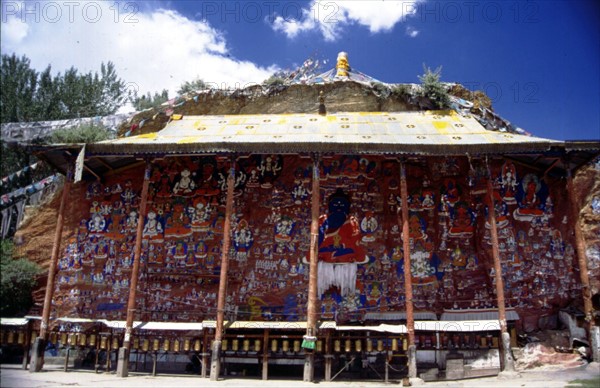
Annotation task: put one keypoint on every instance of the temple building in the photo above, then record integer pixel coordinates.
(396, 241)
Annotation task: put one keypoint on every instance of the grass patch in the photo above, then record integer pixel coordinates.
(591, 383)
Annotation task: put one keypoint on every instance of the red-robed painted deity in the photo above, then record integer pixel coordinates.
(339, 246)
(339, 233)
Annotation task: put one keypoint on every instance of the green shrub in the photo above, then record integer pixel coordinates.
(433, 88)
(18, 278)
(85, 133)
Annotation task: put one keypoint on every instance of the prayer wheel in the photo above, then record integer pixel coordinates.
(483, 342)
(53, 337)
(21, 338)
(115, 343)
(166, 345)
(319, 346)
(156, 345)
(358, 345)
(404, 344)
(186, 345)
(72, 339)
(348, 346)
(93, 340)
(246, 345)
(495, 342)
(394, 344)
(257, 345)
(136, 343)
(82, 338)
(337, 345)
(369, 345)
(286, 346)
(274, 346)
(176, 346)
(63, 339)
(235, 345)
(145, 345)
(296, 346)
(33, 336)
(11, 337)
(380, 345)
(197, 345)
(103, 342)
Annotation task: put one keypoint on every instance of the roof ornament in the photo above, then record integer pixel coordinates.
(322, 108)
(342, 65)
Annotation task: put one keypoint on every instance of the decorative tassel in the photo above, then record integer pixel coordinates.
(338, 275)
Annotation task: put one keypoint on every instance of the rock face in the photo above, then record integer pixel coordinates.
(339, 97)
(587, 188)
(536, 355)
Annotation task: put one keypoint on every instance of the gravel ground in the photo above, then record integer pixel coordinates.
(13, 376)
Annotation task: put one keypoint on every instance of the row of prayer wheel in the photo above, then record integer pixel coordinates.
(247, 345)
(368, 345)
(15, 337)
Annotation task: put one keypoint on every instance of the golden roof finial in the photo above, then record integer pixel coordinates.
(342, 65)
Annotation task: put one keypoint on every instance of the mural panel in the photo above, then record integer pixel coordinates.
(360, 255)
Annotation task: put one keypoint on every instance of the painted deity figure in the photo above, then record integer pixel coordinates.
(97, 223)
(508, 181)
(153, 228)
(269, 169)
(339, 246)
(530, 201)
(242, 240)
(185, 185)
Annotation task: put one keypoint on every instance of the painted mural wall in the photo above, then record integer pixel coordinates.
(360, 241)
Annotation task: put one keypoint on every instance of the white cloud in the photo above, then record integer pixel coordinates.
(330, 17)
(151, 49)
(13, 30)
(412, 32)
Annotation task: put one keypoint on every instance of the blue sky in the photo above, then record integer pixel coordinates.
(538, 60)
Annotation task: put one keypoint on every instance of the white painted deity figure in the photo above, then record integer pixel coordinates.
(97, 223)
(201, 217)
(185, 185)
(153, 227)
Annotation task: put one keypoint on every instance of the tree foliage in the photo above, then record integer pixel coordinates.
(433, 88)
(149, 101)
(85, 133)
(27, 95)
(18, 278)
(191, 86)
(14, 158)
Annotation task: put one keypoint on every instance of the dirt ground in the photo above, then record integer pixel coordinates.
(13, 376)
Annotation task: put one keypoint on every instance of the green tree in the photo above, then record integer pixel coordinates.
(148, 101)
(17, 280)
(18, 85)
(27, 95)
(112, 90)
(46, 101)
(85, 133)
(191, 86)
(433, 88)
(14, 158)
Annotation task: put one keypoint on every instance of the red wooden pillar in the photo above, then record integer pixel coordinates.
(410, 321)
(215, 365)
(123, 357)
(37, 357)
(588, 308)
(508, 361)
(311, 314)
